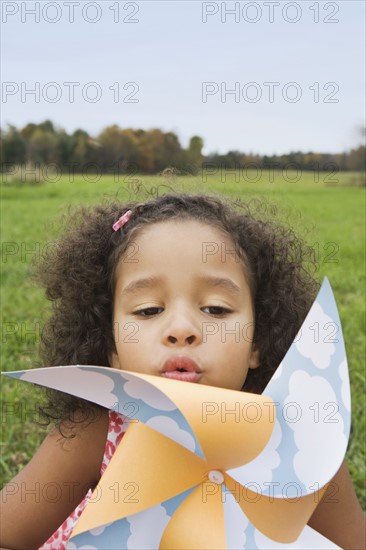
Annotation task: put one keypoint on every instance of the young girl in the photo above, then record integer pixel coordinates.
(133, 286)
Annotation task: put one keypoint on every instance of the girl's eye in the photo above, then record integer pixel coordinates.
(148, 311)
(216, 310)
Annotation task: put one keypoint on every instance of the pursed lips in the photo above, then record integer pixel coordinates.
(181, 368)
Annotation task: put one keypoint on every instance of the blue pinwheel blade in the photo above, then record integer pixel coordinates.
(120, 391)
(142, 530)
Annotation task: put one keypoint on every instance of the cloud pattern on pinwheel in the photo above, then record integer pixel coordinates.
(318, 329)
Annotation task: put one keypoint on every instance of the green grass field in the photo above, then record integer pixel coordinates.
(330, 214)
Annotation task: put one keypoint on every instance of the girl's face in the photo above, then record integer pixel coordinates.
(183, 307)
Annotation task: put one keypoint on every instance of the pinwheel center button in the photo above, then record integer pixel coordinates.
(216, 476)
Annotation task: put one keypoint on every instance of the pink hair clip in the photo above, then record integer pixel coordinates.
(122, 220)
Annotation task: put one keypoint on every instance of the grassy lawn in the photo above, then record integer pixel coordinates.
(330, 214)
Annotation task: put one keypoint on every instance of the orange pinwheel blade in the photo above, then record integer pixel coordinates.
(198, 522)
(232, 427)
(279, 519)
(159, 471)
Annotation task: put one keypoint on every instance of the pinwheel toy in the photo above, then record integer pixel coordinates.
(202, 467)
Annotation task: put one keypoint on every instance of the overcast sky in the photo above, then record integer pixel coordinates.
(295, 70)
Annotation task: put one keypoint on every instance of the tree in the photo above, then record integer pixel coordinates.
(357, 159)
(13, 146)
(43, 146)
(194, 155)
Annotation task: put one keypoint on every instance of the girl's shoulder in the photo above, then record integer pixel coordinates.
(54, 482)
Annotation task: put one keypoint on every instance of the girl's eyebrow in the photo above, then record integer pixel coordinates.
(145, 282)
(150, 282)
(221, 282)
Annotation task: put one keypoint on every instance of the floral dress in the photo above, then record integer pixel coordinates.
(116, 430)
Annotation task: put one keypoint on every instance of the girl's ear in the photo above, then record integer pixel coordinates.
(254, 358)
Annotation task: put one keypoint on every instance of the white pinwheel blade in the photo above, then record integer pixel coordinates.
(308, 540)
(312, 395)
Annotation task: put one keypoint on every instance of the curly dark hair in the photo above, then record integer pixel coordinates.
(79, 276)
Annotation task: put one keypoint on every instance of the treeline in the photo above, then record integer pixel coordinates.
(148, 151)
(353, 161)
(113, 149)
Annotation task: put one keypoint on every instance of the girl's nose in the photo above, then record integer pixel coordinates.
(181, 330)
(182, 340)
